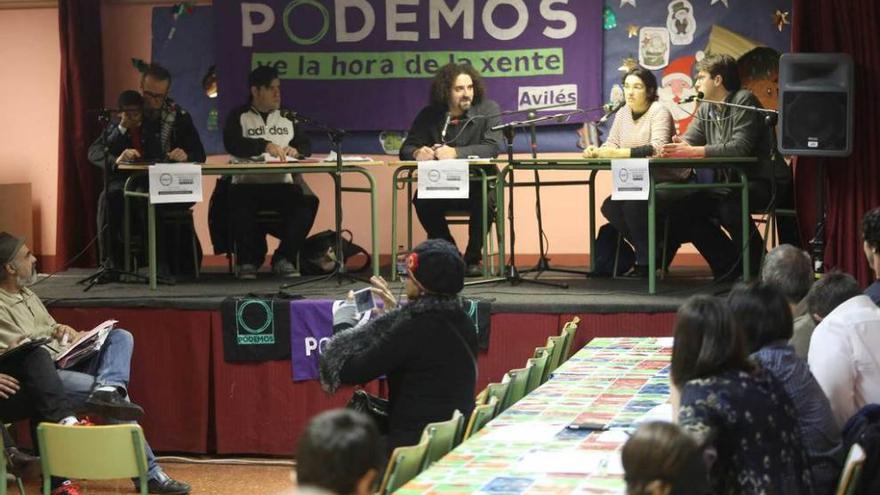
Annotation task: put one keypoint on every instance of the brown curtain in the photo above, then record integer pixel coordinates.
(853, 183)
(82, 88)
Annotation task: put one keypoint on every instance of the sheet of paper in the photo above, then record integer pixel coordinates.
(175, 183)
(630, 179)
(331, 157)
(274, 159)
(566, 462)
(444, 179)
(522, 432)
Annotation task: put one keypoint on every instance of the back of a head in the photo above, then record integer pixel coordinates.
(761, 313)
(437, 265)
(789, 270)
(661, 454)
(706, 343)
(130, 98)
(871, 229)
(337, 449)
(831, 291)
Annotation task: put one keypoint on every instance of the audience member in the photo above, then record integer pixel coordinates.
(425, 349)
(790, 271)
(762, 314)
(740, 410)
(871, 244)
(845, 349)
(99, 383)
(661, 459)
(340, 453)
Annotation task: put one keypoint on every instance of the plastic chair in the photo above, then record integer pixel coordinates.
(92, 452)
(442, 438)
(548, 350)
(568, 331)
(3, 472)
(498, 391)
(852, 471)
(538, 365)
(480, 417)
(516, 390)
(556, 356)
(405, 464)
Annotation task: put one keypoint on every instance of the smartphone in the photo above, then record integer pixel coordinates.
(363, 300)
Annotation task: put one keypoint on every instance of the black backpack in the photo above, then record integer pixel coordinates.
(317, 256)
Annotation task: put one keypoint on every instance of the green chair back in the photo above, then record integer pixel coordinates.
(405, 464)
(92, 452)
(556, 355)
(442, 438)
(499, 392)
(538, 364)
(568, 331)
(548, 350)
(516, 390)
(852, 471)
(482, 414)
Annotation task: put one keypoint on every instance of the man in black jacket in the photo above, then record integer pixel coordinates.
(724, 131)
(151, 129)
(257, 131)
(456, 124)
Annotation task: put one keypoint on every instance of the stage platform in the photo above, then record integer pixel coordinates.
(197, 402)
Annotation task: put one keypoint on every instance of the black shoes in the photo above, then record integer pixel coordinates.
(637, 271)
(473, 270)
(22, 464)
(163, 484)
(111, 404)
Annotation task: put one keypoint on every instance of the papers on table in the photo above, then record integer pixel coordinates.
(444, 179)
(522, 432)
(175, 183)
(274, 159)
(630, 180)
(331, 157)
(570, 462)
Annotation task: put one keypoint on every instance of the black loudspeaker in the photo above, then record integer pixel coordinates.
(815, 104)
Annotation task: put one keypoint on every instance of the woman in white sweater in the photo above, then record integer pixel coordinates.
(640, 129)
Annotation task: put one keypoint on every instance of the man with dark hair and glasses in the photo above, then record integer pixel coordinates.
(456, 124)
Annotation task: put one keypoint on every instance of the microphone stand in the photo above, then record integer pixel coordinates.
(107, 272)
(336, 136)
(511, 274)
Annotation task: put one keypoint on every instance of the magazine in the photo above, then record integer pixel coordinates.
(88, 345)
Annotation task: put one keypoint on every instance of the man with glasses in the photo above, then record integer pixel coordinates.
(455, 125)
(153, 129)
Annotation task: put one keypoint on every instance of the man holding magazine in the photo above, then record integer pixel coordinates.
(98, 382)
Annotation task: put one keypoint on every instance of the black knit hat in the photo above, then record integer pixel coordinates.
(437, 266)
(9, 246)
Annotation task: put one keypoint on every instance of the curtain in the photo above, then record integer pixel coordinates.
(852, 184)
(82, 88)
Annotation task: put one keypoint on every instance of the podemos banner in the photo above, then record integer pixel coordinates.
(366, 65)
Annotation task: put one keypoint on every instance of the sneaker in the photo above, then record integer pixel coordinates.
(68, 488)
(163, 483)
(285, 268)
(473, 270)
(247, 272)
(111, 404)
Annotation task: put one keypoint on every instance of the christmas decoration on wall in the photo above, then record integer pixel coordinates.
(780, 18)
(722, 1)
(675, 86)
(627, 64)
(680, 22)
(653, 47)
(609, 19)
(632, 31)
(627, 2)
(178, 11)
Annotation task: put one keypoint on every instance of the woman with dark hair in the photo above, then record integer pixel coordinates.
(426, 349)
(661, 459)
(763, 317)
(640, 129)
(734, 406)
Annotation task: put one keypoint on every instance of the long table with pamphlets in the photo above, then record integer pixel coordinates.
(565, 436)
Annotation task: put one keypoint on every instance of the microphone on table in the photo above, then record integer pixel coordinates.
(445, 127)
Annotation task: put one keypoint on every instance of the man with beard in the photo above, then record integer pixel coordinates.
(456, 124)
(165, 133)
(98, 383)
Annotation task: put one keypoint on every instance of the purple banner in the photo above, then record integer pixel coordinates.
(365, 65)
(311, 325)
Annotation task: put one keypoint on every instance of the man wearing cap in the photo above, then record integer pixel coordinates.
(99, 383)
(425, 348)
(456, 124)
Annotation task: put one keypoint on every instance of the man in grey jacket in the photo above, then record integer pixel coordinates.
(720, 130)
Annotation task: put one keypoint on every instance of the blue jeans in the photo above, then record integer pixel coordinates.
(111, 367)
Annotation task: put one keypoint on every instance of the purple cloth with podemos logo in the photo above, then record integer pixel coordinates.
(311, 325)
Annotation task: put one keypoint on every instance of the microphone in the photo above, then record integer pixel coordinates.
(445, 126)
(698, 96)
(288, 114)
(612, 109)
